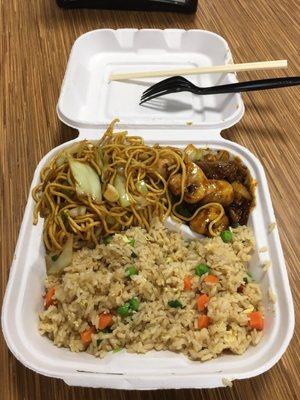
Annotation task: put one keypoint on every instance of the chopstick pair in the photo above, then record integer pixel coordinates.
(177, 83)
(254, 66)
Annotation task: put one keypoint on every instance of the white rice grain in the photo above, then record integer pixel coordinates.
(263, 249)
(272, 295)
(227, 382)
(266, 265)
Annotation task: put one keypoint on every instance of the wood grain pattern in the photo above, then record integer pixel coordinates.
(36, 38)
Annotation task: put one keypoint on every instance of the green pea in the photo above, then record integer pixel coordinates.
(175, 304)
(134, 303)
(226, 236)
(201, 269)
(124, 310)
(107, 239)
(130, 271)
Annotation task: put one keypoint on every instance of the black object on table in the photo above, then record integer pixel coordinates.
(183, 6)
(177, 84)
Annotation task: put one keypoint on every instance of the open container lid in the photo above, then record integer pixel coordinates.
(89, 100)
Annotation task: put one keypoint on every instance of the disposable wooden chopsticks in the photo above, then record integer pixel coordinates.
(202, 70)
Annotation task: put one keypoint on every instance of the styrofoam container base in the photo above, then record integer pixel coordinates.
(92, 57)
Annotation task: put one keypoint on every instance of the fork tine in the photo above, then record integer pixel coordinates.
(155, 95)
(171, 87)
(155, 91)
(164, 82)
(161, 93)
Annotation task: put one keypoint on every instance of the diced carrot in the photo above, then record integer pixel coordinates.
(202, 301)
(105, 320)
(86, 336)
(203, 321)
(49, 297)
(211, 279)
(256, 320)
(187, 282)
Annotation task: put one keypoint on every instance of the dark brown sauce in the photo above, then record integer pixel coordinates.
(222, 166)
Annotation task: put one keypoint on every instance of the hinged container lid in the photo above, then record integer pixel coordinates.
(89, 100)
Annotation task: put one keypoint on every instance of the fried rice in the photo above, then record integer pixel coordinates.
(97, 282)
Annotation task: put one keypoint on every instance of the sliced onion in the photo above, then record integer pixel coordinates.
(119, 184)
(62, 156)
(55, 266)
(77, 211)
(142, 187)
(193, 153)
(87, 180)
(142, 202)
(74, 148)
(61, 159)
(103, 159)
(82, 210)
(111, 193)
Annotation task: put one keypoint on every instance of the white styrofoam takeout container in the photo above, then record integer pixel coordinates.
(88, 102)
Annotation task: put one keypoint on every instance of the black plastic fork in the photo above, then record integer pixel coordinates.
(179, 84)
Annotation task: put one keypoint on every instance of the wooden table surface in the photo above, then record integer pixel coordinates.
(36, 38)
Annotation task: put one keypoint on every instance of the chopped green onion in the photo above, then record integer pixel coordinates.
(175, 304)
(142, 187)
(124, 310)
(226, 236)
(201, 269)
(117, 349)
(134, 303)
(107, 239)
(130, 241)
(130, 271)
